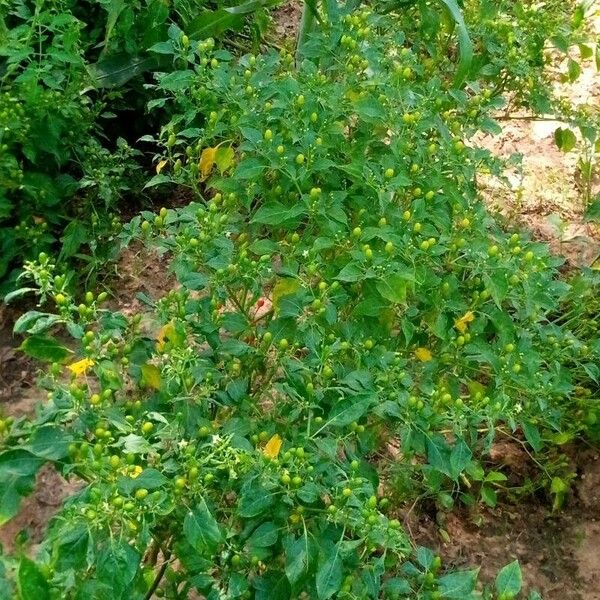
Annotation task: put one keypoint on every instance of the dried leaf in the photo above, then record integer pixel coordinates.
(207, 162)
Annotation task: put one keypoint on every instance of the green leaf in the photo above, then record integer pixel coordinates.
(573, 69)
(251, 6)
(116, 70)
(329, 571)
(438, 455)
(117, 566)
(275, 213)
(18, 293)
(297, 559)
(458, 585)
(150, 479)
(263, 536)
(532, 435)
(254, 501)
(593, 211)
(565, 139)
(45, 348)
(201, 529)
(489, 496)
(272, 585)
(18, 469)
(509, 579)
(464, 42)
(31, 582)
(35, 322)
(213, 23)
(393, 288)
(49, 442)
(350, 273)
(348, 410)
(460, 457)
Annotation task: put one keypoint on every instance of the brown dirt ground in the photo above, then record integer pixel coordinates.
(559, 553)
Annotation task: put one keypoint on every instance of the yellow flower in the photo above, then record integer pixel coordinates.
(81, 366)
(461, 324)
(273, 446)
(423, 354)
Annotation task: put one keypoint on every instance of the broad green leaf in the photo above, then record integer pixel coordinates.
(213, 23)
(565, 139)
(489, 496)
(18, 469)
(35, 322)
(116, 70)
(438, 455)
(459, 585)
(275, 213)
(201, 529)
(329, 571)
(49, 442)
(254, 501)
(273, 585)
(45, 348)
(392, 287)
(460, 457)
(509, 580)
(117, 565)
(149, 479)
(263, 536)
(297, 559)
(593, 211)
(31, 582)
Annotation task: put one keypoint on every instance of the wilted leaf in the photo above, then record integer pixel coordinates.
(207, 161)
(150, 376)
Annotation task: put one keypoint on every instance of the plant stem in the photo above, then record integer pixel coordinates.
(159, 575)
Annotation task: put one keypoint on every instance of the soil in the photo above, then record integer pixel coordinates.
(559, 552)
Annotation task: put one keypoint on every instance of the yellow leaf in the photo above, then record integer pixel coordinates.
(150, 376)
(273, 446)
(81, 366)
(284, 287)
(423, 354)
(461, 324)
(207, 161)
(165, 334)
(160, 166)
